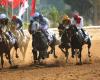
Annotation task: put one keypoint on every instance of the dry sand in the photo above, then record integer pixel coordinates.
(68, 71)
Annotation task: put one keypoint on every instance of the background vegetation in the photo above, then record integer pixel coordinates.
(55, 9)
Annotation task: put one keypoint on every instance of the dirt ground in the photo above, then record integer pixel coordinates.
(57, 69)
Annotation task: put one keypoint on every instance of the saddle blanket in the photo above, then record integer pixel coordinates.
(51, 34)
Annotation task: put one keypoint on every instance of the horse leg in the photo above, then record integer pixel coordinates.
(25, 48)
(35, 55)
(40, 56)
(22, 51)
(53, 50)
(53, 46)
(66, 54)
(76, 54)
(2, 61)
(9, 58)
(38, 59)
(80, 55)
(16, 53)
(89, 46)
(73, 52)
(16, 47)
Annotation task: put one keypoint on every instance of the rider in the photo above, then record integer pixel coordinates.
(3, 22)
(77, 21)
(5, 29)
(18, 22)
(43, 21)
(43, 25)
(66, 21)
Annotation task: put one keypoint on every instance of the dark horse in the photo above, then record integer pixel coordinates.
(4, 48)
(65, 40)
(77, 42)
(6, 44)
(40, 43)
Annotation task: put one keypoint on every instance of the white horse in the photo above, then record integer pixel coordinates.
(23, 40)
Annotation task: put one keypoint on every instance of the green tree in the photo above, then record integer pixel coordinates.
(54, 16)
(2, 9)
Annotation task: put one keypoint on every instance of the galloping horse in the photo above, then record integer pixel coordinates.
(65, 40)
(40, 42)
(77, 42)
(22, 40)
(71, 39)
(4, 48)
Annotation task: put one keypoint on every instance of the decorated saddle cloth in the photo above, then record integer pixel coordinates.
(12, 39)
(85, 35)
(51, 35)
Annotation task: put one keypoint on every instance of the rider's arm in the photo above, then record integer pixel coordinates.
(82, 22)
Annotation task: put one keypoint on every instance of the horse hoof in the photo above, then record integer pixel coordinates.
(90, 61)
(55, 56)
(14, 67)
(89, 56)
(41, 63)
(17, 56)
(78, 63)
(35, 62)
(72, 56)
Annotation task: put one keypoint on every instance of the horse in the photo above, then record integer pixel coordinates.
(65, 41)
(4, 48)
(40, 42)
(22, 40)
(12, 41)
(77, 42)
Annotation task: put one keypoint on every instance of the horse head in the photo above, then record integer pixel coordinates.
(60, 29)
(33, 27)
